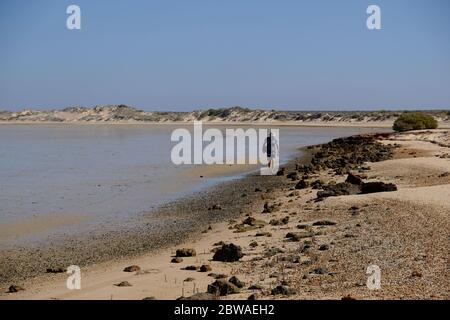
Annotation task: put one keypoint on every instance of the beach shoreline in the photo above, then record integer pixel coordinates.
(162, 279)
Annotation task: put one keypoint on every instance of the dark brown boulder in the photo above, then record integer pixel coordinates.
(373, 187)
(186, 252)
(132, 269)
(354, 179)
(222, 287)
(228, 253)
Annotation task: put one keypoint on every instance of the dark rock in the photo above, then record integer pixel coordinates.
(263, 234)
(416, 274)
(199, 296)
(132, 269)
(123, 284)
(14, 289)
(268, 208)
(191, 268)
(293, 176)
(253, 244)
(320, 270)
(279, 222)
(215, 207)
(228, 253)
(297, 236)
(222, 287)
(177, 260)
(324, 247)
(217, 275)
(256, 287)
(339, 189)
(220, 243)
(284, 290)
(254, 222)
(372, 187)
(253, 296)
(56, 270)
(238, 283)
(186, 252)
(317, 184)
(324, 223)
(149, 298)
(205, 268)
(302, 184)
(354, 179)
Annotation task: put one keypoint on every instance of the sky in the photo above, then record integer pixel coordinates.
(178, 55)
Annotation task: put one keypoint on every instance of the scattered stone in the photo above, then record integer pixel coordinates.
(297, 236)
(253, 244)
(293, 176)
(253, 296)
(56, 270)
(238, 283)
(205, 268)
(324, 223)
(132, 269)
(254, 222)
(220, 243)
(302, 184)
(215, 207)
(123, 284)
(186, 252)
(320, 270)
(268, 208)
(317, 184)
(279, 222)
(263, 234)
(217, 275)
(14, 289)
(191, 268)
(372, 187)
(324, 247)
(339, 189)
(283, 290)
(221, 287)
(417, 274)
(228, 253)
(354, 179)
(303, 226)
(256, 287)
(199, 296)
(189, 279)
(177, 260)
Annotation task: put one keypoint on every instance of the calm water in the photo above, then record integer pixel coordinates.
(101, 173)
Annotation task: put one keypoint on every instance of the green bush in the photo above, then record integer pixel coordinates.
(414, 121)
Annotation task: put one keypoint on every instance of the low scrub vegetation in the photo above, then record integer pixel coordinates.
(414, 121)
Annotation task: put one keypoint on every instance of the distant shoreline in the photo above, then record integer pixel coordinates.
(122, 114)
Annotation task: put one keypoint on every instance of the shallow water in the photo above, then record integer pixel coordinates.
(61, 178)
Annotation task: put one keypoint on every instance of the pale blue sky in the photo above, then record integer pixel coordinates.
(184, 55)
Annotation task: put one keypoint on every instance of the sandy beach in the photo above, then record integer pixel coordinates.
(301, 236)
